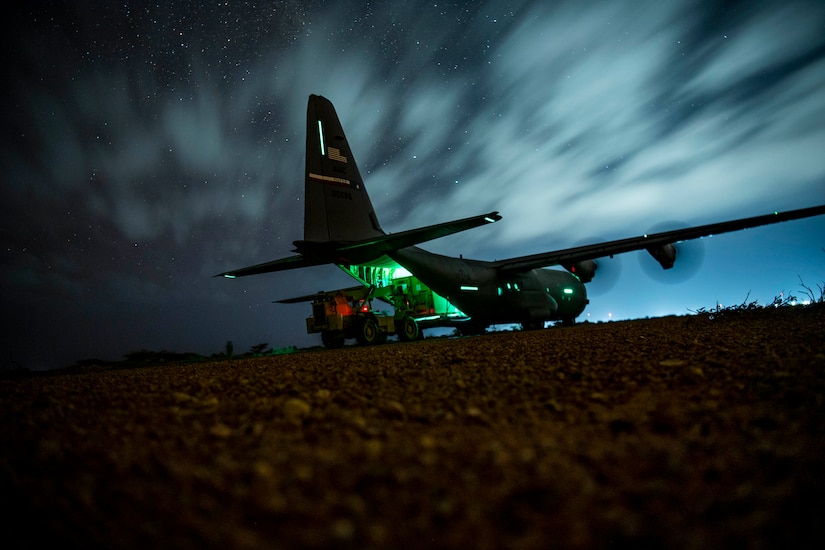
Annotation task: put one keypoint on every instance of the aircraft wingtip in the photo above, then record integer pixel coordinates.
(492, 217)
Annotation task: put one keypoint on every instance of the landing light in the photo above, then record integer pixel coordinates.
(488, 219)
(465, 287)
(228, 276)
(568, 291)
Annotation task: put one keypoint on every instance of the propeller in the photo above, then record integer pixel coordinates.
(608, 271)
(688, 261)
(607, 275)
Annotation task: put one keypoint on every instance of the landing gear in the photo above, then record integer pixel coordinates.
(470, 328)
(368, 334)
(408, 329)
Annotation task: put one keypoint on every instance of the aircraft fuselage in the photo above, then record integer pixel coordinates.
(491, 295)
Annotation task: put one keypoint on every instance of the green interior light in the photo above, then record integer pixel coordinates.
(400, 272)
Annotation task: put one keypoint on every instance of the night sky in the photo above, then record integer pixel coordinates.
(147, 148)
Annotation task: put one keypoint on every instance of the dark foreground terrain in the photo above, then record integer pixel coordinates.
(687, 432)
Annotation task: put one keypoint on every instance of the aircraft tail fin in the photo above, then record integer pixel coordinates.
(340, 225)
(337, 206)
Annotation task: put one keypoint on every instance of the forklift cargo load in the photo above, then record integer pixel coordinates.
(348, 313)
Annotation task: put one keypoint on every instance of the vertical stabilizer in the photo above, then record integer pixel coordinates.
(337, 207)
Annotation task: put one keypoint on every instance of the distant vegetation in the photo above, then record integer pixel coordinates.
(258, 350)
(809, 296)
(147, 357)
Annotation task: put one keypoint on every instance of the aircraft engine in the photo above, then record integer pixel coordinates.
(584, 270)
(665, 255)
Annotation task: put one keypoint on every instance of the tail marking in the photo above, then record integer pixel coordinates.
(330, 179)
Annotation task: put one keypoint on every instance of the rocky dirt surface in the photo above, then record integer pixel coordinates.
(685, 432)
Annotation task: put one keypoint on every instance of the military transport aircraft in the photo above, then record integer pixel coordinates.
(341, 228)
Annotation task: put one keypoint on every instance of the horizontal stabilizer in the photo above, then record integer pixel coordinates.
(361, 252)
(371, 249)
(311, 297)
(292, 262)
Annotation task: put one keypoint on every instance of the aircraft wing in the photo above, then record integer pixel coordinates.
(291, 262)
(649, 241)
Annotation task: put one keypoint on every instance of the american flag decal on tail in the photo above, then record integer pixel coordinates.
(335, 154)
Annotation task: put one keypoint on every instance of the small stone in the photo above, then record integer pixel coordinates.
(210, 401)
(672, 363)
(343, 529)
(427, 441)
(181, 397)
(295, 410)
(396, 408)
(263, 469)
(373, 447)
(220, 430)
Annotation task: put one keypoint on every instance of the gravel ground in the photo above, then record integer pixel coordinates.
(685, 432)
